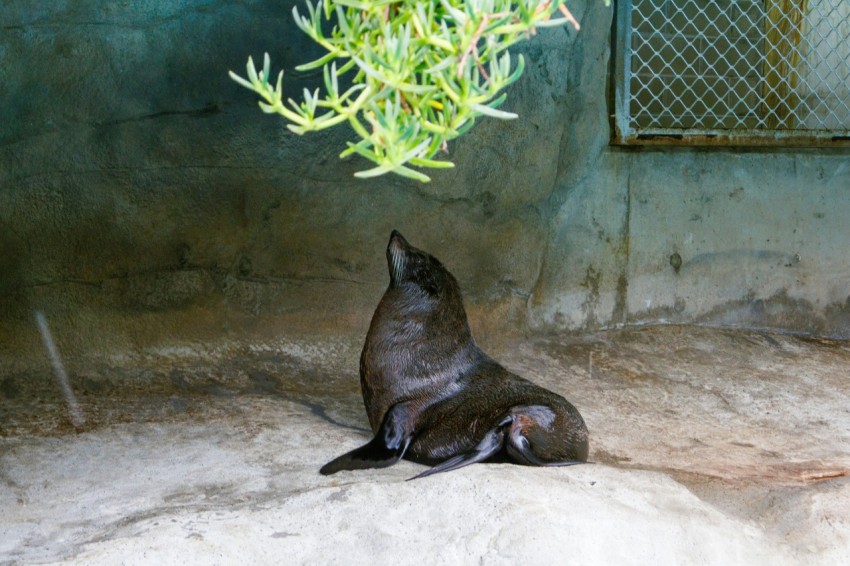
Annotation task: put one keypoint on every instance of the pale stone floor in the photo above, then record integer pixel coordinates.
(711, 446)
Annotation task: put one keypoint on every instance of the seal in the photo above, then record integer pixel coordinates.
(434, 397)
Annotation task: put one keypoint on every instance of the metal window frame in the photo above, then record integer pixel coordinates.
(625, 134)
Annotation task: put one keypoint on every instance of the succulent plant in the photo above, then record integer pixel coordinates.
(418, 73)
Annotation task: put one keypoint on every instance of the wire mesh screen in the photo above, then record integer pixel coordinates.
(736, 70)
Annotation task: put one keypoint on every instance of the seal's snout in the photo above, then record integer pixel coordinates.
(398, 245)
(397, 239)
(396, 252)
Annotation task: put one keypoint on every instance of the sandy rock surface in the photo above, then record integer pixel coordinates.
(711, 447)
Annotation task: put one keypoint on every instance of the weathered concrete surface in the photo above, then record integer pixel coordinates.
(146, 203)
(784, 258)
(153, 203)
(711, 447)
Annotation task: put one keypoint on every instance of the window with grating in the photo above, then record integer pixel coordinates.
(733, 71)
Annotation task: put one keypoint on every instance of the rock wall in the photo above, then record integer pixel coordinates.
(146, 203)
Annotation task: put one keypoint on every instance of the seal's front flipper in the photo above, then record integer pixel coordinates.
(387, 448)
(489, 446)
(376, 454)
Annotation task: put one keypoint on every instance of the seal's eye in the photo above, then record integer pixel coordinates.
(414, 266)
(428, 276)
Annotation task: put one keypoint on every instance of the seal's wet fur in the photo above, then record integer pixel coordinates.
(434, 397)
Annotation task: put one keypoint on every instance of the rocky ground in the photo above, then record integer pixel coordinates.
(710, 447)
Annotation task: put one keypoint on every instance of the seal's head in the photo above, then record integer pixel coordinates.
(539, 434)
(413, 270)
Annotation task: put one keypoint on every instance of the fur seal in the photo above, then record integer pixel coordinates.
(434, 397)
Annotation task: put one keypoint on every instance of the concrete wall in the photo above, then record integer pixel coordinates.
(146, 203)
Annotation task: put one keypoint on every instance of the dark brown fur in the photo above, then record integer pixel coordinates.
(434, 397)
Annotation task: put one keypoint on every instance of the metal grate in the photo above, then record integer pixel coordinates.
(733, 71)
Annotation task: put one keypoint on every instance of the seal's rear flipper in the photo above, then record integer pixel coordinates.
(387, 448)
(489, 446)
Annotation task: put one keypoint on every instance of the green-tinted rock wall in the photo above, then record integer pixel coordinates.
(147, 203)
